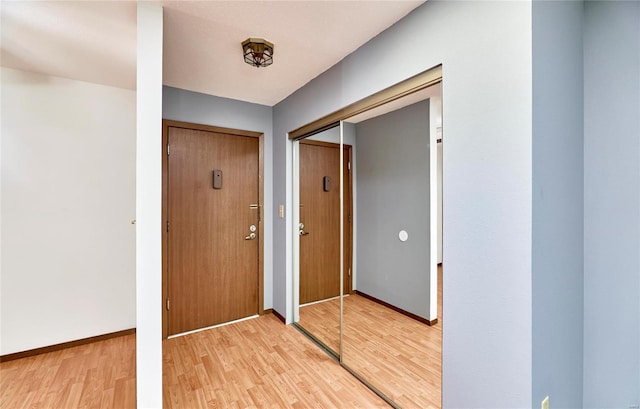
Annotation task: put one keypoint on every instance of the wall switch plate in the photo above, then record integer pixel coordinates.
(545, 403)
(281, 211)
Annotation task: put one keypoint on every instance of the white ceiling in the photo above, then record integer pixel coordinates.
(203, 53)
(86, 41)
(95, 41)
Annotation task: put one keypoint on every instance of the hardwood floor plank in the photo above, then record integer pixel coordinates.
(398, 355)
(100, 374)
(257, 363)
(254, 363)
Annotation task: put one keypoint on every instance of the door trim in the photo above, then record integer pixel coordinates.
(166, 124)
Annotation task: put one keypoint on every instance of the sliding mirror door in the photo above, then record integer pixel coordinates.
(370, 292)
(317, 171)
(391, 337)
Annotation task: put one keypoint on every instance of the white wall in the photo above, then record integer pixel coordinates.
(149, 207)
(68, 196)
(485, 50)
(436, 129)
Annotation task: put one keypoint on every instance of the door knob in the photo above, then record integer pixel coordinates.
(252, 236)
(303, 233)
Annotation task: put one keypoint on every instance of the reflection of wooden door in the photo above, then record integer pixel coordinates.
(212, 259)
(320, 215)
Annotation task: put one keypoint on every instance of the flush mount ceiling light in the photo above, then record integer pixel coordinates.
(257, 52)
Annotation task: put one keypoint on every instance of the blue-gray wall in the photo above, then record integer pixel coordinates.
(188, 106)
(393, 195)
(485, 50)
(557, 257)
(612, 204)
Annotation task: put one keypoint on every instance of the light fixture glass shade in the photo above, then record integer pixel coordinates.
(257, 52)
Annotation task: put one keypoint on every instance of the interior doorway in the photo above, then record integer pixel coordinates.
(212, 224)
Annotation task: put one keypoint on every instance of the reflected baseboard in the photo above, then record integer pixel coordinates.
(397, 309)
(323, 300)
(278, 316)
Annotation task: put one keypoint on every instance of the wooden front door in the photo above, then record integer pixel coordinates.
(212, 250)
(320, 217)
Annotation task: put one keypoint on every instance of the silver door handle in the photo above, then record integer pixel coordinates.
(252, 236)
(303, 233)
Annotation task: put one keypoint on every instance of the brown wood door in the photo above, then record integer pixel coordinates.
(320, 215)
(212, 260)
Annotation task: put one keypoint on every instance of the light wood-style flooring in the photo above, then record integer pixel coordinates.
(397, 354)
(323, 321)
(97, 375)
(254, 363)
(257, 363)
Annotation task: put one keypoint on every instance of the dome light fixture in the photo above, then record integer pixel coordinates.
(257, 52)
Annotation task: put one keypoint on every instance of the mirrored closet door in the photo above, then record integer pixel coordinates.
(390, 337)
(368, 288)
(319, 161)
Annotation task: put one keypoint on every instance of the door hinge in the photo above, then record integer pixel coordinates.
(349, 165)
(167, 226)
(349, 272)
(167, 304)
(167, 149)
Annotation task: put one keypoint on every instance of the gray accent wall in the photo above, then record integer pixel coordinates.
(612, 204)
(188, 106)
(485, 51)
(393, 193)
(557, 258)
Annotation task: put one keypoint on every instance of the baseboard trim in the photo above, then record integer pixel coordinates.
(397, 309)
(267, 311)
(278, 316)
(65, 345)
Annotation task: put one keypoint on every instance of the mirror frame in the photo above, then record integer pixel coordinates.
(416, 83)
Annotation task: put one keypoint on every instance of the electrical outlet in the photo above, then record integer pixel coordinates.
(545, 403)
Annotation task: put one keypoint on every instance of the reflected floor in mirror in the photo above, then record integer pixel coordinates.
(397, 354)
(322, 320)
(257, 363)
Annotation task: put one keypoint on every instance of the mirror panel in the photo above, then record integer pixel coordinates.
(318, 235)
(387, 339)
